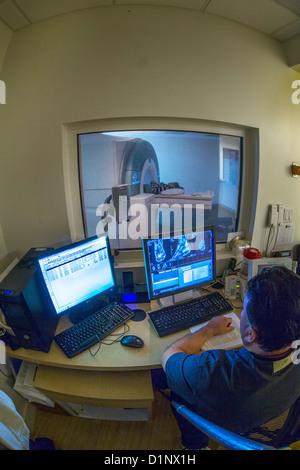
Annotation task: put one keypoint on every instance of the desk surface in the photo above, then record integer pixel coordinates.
(113, 357)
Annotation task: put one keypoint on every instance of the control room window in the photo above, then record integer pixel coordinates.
(188, 166)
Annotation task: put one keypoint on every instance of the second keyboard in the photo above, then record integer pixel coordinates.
(175, 318)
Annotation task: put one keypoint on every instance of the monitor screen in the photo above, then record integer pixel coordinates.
(78, 272)
(179, 263)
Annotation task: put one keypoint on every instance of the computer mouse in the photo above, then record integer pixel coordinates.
(132, 341)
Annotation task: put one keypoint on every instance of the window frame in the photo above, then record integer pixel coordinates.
(248, 170)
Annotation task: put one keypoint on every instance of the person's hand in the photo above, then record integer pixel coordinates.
(193, 342)
(220, 325)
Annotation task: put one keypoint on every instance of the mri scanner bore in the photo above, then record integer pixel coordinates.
(164, 168)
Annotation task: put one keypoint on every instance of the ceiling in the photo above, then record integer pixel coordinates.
(277, 18)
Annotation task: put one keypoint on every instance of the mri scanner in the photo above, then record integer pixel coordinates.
(139, 164)
(138, 167)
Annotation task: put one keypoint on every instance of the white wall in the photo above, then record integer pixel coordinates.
(138, 61)
(5, 37)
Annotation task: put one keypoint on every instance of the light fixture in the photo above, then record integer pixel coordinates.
(295, 169)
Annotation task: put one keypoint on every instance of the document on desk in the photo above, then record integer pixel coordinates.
(229, 340)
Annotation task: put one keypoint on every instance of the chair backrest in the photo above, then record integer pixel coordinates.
(222, 436)
(280, 431)
(277, 433)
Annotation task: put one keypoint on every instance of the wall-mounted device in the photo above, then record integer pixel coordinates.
(272, 215)
(295, 169)
(281, 228)
(280, 213)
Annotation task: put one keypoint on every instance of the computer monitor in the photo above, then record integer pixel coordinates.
(77, 276)
(255, 266)
(179, 263)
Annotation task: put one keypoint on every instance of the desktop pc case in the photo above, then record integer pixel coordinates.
(27, 308)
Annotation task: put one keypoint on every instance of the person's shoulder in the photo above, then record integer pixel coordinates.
(223, 356)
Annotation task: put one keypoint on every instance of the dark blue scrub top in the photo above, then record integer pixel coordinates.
(235, 389)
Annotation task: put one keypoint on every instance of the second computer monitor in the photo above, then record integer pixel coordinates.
(179, 263)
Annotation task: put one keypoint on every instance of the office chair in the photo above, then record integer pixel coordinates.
(276, 434)
(280, 431)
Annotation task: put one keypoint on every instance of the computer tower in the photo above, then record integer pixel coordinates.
(27, 308)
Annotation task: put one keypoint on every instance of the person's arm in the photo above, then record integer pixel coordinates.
(192, 343)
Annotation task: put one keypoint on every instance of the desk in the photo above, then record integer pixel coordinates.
(116, 377)
(114, 357)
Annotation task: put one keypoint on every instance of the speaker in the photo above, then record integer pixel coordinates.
(27, 308)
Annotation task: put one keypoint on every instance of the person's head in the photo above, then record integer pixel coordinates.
(271, 315)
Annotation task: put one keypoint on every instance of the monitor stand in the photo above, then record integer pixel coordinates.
(177, 298)
(139, 315)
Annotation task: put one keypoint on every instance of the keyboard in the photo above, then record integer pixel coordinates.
(93, 329)
(175, 318)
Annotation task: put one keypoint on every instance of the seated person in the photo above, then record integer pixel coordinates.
(241, 389)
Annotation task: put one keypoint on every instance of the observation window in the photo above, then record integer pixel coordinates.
(189, 167)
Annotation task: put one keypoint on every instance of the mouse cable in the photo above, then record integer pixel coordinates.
(108, 342)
